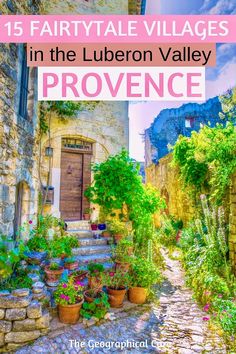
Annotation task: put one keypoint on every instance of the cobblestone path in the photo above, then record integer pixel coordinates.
(174, 324)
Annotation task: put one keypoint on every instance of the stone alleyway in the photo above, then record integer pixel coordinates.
(173, 325)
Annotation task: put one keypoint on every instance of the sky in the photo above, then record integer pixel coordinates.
(218, 79)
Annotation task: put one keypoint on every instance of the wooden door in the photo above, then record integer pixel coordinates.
(75, 176)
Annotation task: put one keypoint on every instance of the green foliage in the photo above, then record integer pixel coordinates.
(95, 269)
(207, 160)
(68, 293)
(168, 231)
(144, 273)
(118, 227)
(116, 280)
(62, 245)
(11, 252)
(54, 266)
(207, 268)
(98, 308)
(18, 280)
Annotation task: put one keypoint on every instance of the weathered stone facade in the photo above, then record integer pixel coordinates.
(18, 134)
(21, 169)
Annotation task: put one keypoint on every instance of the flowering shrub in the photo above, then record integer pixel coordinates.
(69, 293)
(95, 269)
(116, 280)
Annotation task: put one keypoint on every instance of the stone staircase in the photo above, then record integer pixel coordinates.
(96, 250)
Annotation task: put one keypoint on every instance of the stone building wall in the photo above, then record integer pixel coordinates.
(18, 135)
(165, 177)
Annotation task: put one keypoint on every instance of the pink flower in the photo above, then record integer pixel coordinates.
(220, 296)
(64, 286)
(206, 307)
(111, 274)
(62, 296)
(79, 283)
(67, 298)
(206, 318)
(30, 222)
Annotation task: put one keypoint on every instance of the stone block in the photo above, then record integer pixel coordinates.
(15, 314)
(21, 337)
(26, 325)
(5, 326)
(20, 292)
(4, 293)
(12, 302)
(2, 314)
(4, 193)
(34, 310)
(13, 346)
(2, 339)
(44, 321)
(8, 213)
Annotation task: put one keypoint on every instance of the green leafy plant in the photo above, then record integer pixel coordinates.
(70, 260)
(168, 230)
(54, 266)
(118, 227)
(97, 308)
(116, 280)
(144, 273)
(68, 293)
(95, 269)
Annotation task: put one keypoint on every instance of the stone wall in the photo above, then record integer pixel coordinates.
(18, 135)
(165, 177)
(22, 319)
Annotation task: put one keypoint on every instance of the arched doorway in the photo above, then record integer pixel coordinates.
(22, 205)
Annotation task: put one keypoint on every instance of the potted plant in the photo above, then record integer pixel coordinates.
(94, 225)
(118, 229)
(79, 275)
(69, 298)
(101, 225)
(116, 283)
(71, 263)
(91, 294)
(95, 271)
(53, 273)
(143, 275)
(87, 213)
(97, 308)
(122, 254)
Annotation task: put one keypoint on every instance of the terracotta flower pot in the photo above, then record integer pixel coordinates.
(94, 227)
(137, 295)
(122, 266)
(80, 275)
(71, 266)
(106, 234)
(86, 216)
(94, 282)
(53, 276)
(118, 237)
(130, 250)
(69, 314)
(89, 298)
(116, 297)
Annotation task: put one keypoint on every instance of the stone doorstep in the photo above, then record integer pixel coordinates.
(99, 258)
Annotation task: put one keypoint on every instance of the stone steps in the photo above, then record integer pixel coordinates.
(106, 265)
(81, 233)
(78, 225)
(98, 258)
(92, 242)
(87, 250)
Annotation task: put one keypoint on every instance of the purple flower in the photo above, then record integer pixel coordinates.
(30, 221)
(67, 298)
(62, 296)
(79, 283)
(64, 286)
(111, 274)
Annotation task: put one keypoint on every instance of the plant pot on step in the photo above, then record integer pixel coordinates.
(106, 234)
(137, 295)
(69, 314)
(86, 216)
(94, 227)
(122, 266)
(116, 297)
(71, 266)
(53, 276)
(102, 227)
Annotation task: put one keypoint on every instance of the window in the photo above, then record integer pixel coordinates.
(24, 82)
